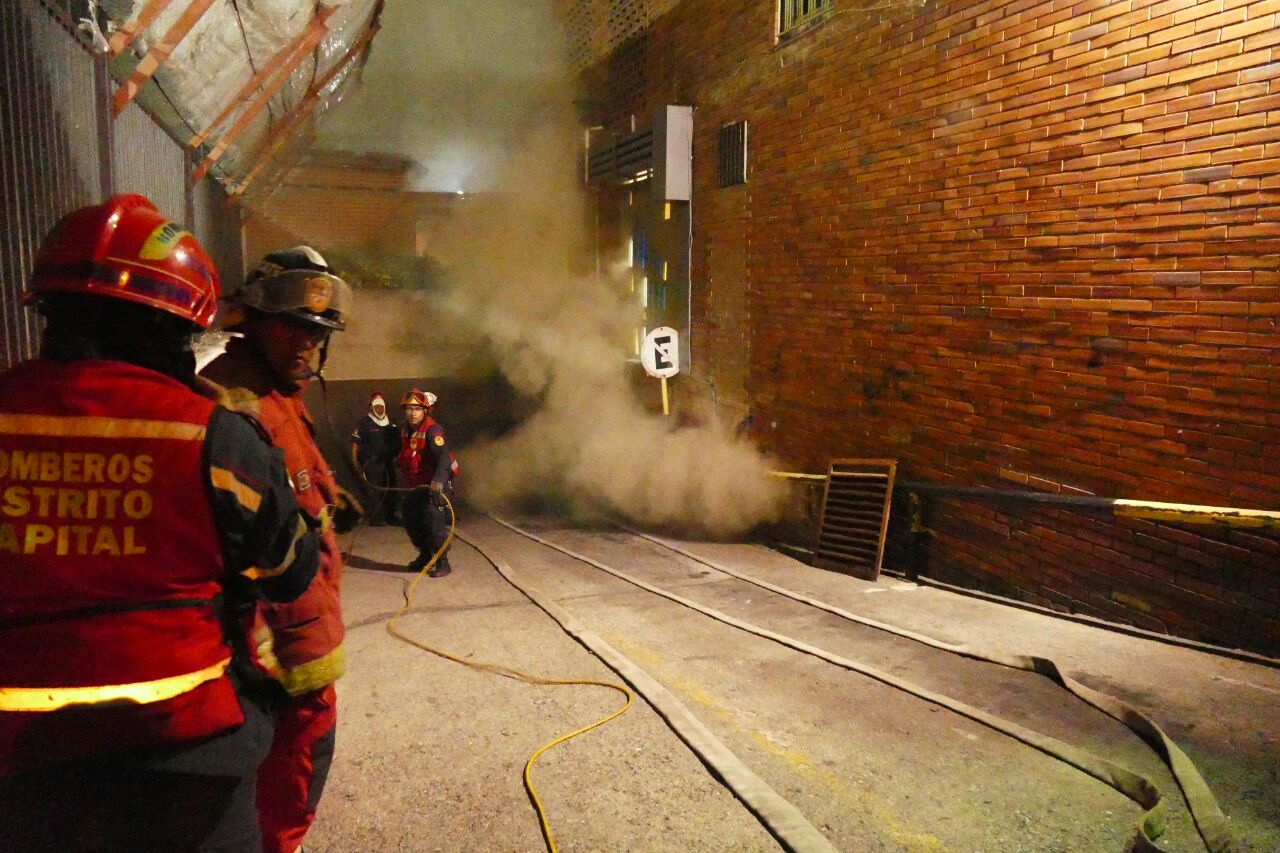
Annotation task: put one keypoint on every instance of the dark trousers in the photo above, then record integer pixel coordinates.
(380, 502)
(199, 798)
(426, 520)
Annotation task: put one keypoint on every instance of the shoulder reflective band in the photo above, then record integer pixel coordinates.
(227, 481)
(42, 699)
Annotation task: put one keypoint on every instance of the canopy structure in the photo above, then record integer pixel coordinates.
(241, 85)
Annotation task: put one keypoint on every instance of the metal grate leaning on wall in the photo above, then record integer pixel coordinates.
(855, 516)
(59, 150)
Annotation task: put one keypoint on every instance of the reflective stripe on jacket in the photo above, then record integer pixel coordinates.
(110, 565)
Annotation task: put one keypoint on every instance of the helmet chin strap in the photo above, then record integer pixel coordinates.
(318, 373)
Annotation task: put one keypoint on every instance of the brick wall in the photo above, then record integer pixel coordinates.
(346, 201)
(1028, 245)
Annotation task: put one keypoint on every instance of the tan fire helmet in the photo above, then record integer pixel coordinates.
(295, 281)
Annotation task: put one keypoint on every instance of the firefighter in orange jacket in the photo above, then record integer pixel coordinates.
(141, 522)
(425, 461)
(285, 311)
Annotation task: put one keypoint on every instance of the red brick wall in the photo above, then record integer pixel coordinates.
(330, 217)
(338, 201)
(1028, 245)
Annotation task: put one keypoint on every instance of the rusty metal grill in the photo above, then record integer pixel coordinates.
(731, 154)
(793, 14)
(855, 516)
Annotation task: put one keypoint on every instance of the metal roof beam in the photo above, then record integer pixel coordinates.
(124, 36)
(158, 54)
(300, 112)
(279, 68)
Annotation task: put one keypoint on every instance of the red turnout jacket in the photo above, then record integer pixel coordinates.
(110, 564)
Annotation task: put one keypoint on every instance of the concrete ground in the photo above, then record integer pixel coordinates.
(430, 752)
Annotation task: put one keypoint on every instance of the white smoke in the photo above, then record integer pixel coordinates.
(556, 331)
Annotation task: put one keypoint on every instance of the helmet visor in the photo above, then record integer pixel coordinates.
(318, 297)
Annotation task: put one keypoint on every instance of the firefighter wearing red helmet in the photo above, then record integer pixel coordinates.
(142, 520)
(425, 460)
(285, 313)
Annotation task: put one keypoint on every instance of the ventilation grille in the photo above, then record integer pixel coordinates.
(855, 516)
(594, 29)
(620, 159)
(626, 70)
(794, 14)
(731, 152)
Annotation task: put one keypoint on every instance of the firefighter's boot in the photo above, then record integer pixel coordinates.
(441, 568)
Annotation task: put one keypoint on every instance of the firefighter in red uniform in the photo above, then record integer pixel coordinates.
(140, 522)
(286, 310)
(428, 467)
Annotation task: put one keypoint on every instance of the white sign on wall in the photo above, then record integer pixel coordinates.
(660, 353)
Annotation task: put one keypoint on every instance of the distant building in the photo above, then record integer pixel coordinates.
(347, 202)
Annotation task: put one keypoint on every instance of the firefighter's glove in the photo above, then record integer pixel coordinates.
(347, 512)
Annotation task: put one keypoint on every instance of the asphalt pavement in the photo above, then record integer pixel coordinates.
(431, 752)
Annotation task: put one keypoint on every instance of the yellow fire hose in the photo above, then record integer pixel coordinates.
(495, 668)
(782, 819)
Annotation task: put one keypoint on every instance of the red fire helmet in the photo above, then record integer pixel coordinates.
(126, 249)
(417, 397)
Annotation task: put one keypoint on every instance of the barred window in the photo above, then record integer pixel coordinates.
(794, 14)
(731, 153)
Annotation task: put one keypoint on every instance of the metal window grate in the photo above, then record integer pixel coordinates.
(731, 152)
(855, 516)
(796, 13)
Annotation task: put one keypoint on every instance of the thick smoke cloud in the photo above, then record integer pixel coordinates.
(517, 284)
